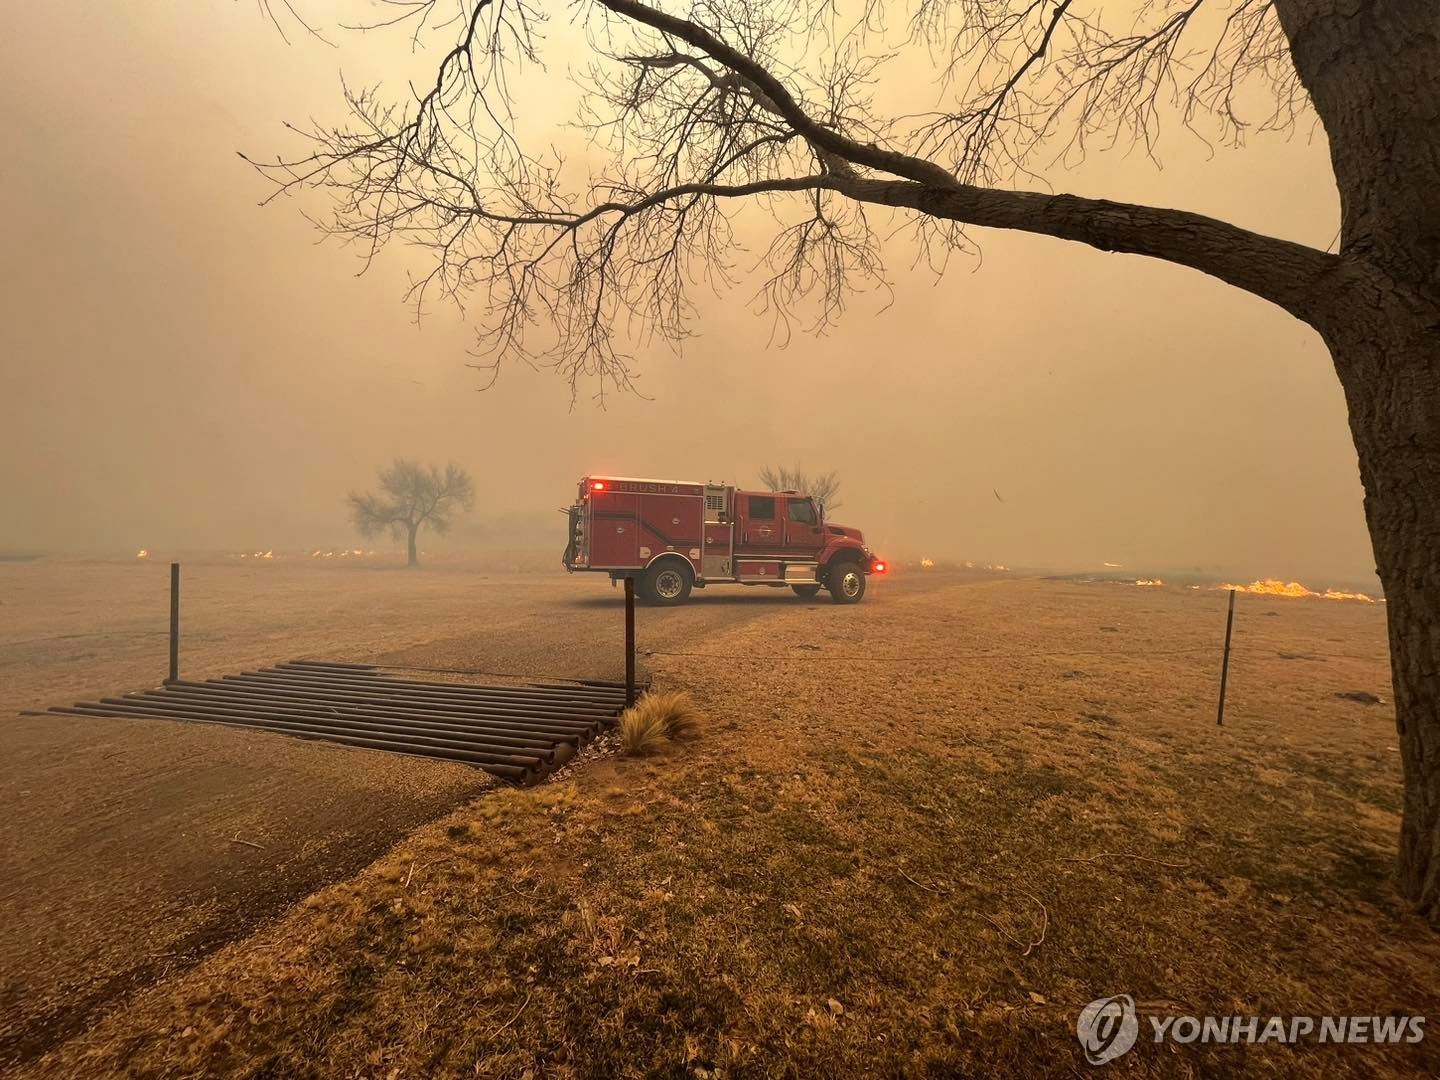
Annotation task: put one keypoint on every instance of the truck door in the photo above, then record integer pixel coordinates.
(761, 531)
(760, 548)
(804, 536)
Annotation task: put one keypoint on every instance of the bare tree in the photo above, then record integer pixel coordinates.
(412, 496)
(823, 487)
(709, 105)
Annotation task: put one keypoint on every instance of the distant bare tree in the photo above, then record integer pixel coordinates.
(705, 105)
(412, 496)
(823, 487)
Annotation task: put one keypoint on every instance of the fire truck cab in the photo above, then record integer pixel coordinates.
(675, 535)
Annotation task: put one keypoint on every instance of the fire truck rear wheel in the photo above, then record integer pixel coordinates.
(806, 592)
(847, 583)
(667, 582)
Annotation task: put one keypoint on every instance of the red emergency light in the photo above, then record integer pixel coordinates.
(598, 485)
(878, 566)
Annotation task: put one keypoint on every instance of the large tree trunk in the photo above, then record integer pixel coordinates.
(412, 558)
(1370, 68)
(1391, 376)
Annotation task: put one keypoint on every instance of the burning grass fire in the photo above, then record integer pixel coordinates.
(1275, 587)
(318, 553)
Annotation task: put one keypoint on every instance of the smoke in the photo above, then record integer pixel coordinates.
(180, 368)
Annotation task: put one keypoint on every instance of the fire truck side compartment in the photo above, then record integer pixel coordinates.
(718, 559)
(613, 530)
(629, 523)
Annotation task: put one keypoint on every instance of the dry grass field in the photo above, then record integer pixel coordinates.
(912, 837)
(130, 849)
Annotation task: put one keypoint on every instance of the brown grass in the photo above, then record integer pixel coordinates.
(656, 719)
(642, 731)
(923, 862)
(682, 718)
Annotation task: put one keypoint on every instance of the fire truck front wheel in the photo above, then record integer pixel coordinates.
(667, 582)
(847, 583)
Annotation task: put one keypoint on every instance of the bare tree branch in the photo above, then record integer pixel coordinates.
(737, 111)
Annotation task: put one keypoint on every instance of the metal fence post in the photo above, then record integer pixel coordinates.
(174, 622)
(629, 642)
(1225, 664)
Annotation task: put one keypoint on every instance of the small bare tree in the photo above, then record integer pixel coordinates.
(824, 488)
(412, 496)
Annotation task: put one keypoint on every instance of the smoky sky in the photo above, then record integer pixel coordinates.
(180, 368)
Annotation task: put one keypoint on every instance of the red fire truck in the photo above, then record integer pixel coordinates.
(675, 535)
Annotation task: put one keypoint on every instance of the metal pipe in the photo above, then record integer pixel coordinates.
(629, 642)
(174, 621)
(516, 773)
(498, 697)
(276, 720)
(333, 664)
(613, 689)
(1225, 663)
(445, 702)
(526, 691)
(543, 729)
(499, 735)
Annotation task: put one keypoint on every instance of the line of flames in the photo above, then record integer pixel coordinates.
(318, 553)
(1275, 587)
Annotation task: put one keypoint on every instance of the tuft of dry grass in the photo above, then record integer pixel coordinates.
(656, 719)
(641, 731)
(682, 717)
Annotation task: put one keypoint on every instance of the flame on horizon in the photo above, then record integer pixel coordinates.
(1149, 581)
(143, 553)
(1294, 590)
